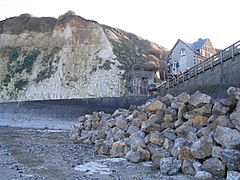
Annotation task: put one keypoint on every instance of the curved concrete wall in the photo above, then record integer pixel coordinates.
(60, 114)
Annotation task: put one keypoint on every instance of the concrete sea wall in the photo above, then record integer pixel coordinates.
(60, 114)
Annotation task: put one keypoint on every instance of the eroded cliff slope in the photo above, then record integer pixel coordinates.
(68, 57)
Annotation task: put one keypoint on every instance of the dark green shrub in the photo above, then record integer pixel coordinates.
(13, 54)
(6, 80)
(20, 84)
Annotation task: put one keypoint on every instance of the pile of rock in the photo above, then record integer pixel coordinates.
(195, 135)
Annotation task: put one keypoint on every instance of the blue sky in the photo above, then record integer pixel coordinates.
(160, 21)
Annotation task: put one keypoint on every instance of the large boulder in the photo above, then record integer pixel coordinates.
(154, 106)
(231, 158)
(202, 148)
(118, 149)
(215, 167)
(170, 165)
(227, 137)
(199, 99)
(234, 93)
(235, 116)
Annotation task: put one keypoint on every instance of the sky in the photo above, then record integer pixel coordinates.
(160, 21)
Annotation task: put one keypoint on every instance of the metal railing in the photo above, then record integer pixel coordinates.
(227, 54)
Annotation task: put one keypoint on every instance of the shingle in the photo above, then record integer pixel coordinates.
(199, 44)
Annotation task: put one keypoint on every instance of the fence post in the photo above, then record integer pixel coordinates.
(232, 49)
(221, 56)
(203, 66)
(212, 62)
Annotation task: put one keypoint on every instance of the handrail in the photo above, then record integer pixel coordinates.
(224, 55)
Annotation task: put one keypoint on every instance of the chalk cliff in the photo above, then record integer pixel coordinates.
(68, 57)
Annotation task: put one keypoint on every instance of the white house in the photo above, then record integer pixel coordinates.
(185, 55)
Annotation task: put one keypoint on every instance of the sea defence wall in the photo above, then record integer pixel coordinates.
(213, 77)
(60, 114)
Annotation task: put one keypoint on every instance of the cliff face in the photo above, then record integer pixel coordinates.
(68, 57)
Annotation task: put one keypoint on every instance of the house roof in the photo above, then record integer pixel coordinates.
(194, 46)
(179, 40)
(199, 44)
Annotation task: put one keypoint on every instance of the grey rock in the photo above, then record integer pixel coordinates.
(167, 144)
(136, 140)
(79, 125)
(185, 129)
(158, 156)
(95, 120)
(138, 155)
(178, 123)
(233, 175)
(197, 166)
(216, 151)
(231, 158)
(120, 112)
(103, 146)
(219, 109)
(132, 129)
(226, 136)
(199, 99)
(234, 93)
(134, 156)
(169, 133)
(167, 99)
(187, 167)
(202, 148)
(179, 143)
(215, 167)
(156, 137)
(137, 122)
(235, 116)
(118, 149)
(223, 121)
(228, 102)
(98, 134)
(154, 106)
(205, 110)
(170, 115)
(121, 122)
(192, 137)
(135, 113)
(148, 126)
(170, 165)
(154, 148)
(111, 122)
(82, 119)
(183, 97)
(204, 131)
(88, 123)
(74, 134)
(180, 106)
(120, 135)
(203, 175)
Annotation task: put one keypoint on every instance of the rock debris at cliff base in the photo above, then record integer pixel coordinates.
(194, 134)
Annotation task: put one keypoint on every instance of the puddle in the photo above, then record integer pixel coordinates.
(99, 166)
(93, 167)
(49, 130)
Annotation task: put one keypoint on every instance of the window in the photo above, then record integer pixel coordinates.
(174, 64)
(182, 52)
